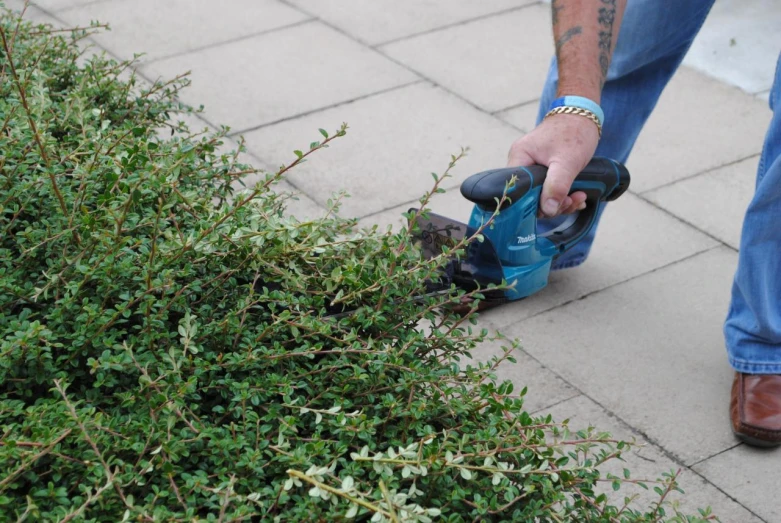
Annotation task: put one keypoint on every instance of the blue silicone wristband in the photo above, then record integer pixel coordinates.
(581, 103)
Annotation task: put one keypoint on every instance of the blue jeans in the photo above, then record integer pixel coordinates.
(655, 36)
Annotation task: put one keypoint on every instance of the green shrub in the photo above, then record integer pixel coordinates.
(166, 352)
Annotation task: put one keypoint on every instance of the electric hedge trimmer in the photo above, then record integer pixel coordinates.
(512, 251)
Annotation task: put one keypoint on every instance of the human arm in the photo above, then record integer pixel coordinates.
(585, 32)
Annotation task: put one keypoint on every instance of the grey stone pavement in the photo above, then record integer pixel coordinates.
(630, 342)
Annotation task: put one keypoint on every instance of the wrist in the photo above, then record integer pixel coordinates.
(578, 106)
(591, 92)
(580, 118)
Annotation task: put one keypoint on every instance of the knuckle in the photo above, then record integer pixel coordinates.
(518, 146)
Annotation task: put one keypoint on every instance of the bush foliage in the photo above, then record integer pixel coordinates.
(167, 351)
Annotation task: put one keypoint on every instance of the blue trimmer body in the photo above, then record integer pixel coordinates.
(512, 250)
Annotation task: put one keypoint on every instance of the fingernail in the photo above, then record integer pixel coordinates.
(550, 207)
(582, 206)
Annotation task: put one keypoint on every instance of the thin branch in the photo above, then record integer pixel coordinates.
(68, 29)
(32, 121)
(340, 493)
(10, 477)
(109, 474)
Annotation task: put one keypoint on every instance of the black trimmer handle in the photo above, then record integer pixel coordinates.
(602, 180)
(486, 187)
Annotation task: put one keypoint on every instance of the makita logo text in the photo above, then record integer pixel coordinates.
(527, 239)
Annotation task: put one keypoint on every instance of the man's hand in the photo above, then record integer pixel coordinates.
(585, 32)
(564, 143)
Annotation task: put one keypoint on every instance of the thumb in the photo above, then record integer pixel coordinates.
(556, 187)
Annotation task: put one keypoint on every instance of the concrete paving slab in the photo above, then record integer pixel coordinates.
(714, 202)
(648, 461)
(749, 475)
(545, 389)
(396, 139)
(699, 124)
(495, 62)
(384, 20)
(161, 29)
(523, 117)
(650, 350)
(277, 75)
(739, 43)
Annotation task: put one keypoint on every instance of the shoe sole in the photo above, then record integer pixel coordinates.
(754, 442)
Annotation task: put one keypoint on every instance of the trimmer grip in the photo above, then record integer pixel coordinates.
(487, 187)
(613, 175)
(602, 181)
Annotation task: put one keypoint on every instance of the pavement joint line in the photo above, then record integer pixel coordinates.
(199, 116)
(453, 24)
(447, 90)
(759, 92)
(515, 106)
(229, 41)
(320, 109)
(405, 204)
(66, 24)
(729, 496)
(77, 6)
(699, 173)
(400, 64)
(650, 441)
(546, 410)
(703, 460)
(686, 222)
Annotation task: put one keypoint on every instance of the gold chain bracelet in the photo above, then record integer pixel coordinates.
(578, 111)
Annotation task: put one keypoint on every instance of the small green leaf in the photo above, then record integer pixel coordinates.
(348, 483)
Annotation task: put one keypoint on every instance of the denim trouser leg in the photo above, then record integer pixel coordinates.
(753, 327)
(654, 38)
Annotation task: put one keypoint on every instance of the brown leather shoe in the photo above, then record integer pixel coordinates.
(755, 409)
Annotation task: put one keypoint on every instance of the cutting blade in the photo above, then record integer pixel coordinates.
(478, 268)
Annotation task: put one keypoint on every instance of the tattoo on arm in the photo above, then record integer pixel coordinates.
(567, 36)
(607, 15)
